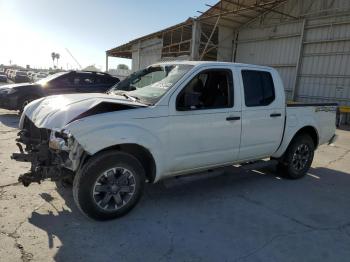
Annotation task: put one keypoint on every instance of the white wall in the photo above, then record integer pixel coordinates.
(225, 48)
(312, 55)
(146, 53)
(277, 46)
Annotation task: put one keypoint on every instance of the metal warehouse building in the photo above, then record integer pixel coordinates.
(308, 41)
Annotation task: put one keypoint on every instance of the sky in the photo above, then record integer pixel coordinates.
(32, 30)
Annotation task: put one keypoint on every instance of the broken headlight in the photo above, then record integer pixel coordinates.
(60, 140)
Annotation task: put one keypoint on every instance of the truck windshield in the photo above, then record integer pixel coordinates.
(150, 84)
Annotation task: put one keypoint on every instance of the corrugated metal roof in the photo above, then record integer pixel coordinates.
(232, 13)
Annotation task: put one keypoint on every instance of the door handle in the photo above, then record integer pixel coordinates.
(276, 115)
(233, 118)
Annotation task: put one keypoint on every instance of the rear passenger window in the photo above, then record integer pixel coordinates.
(103, 80)
(83, 79)
(259, 89)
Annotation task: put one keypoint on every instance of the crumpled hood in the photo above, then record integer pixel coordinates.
(55, 112)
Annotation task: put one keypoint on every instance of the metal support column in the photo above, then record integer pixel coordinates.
(196, 35)
(106, 62)
(299, 62)
(210, 37)
(234, 46)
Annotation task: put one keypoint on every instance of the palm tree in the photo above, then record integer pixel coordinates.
(53, 56)
(57, 57)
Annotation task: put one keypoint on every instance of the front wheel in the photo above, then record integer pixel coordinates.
(26, 101)
(109, 185)
(298, 157)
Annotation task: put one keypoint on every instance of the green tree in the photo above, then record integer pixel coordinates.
(123, 66)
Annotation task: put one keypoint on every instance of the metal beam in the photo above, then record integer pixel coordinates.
(238, 11)
(299, 62)
(228, 19)
(106, 62)
(263, 8)
(207, 37)
(227, 10)
(264, 13)
(266, 38)
(210, 37)
(232, 20)
(195, 40)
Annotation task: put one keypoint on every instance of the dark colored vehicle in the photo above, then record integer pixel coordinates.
(21, 77)
(3, 77)
(17, 96)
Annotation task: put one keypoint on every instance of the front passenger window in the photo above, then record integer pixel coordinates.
(210, 89)
(63, 82)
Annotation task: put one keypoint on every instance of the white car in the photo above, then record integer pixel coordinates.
(38, 76)
(170, 119)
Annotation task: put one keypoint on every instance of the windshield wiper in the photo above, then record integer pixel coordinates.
(136, 99)
(132, 98)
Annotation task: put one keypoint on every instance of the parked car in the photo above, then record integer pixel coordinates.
(17, 96)
(11, 73)
(181, 118)
(8, 72)
(30, 75)
(3, 77)
(38, 76)
(21, 77)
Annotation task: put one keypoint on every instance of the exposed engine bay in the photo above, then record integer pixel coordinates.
(53, 155)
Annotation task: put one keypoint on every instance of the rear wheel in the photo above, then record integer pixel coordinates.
(109, 185)
(298, 157)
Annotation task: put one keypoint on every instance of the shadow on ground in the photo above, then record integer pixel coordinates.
(233, 216)
(10, 119)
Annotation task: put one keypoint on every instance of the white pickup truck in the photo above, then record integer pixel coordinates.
(168, 120)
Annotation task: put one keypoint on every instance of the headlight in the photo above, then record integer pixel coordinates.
(60, 140)
(7, 91)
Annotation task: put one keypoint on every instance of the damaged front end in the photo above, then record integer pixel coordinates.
(53, 154)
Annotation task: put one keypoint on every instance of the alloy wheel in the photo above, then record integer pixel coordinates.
(114, 189)
(301, 157)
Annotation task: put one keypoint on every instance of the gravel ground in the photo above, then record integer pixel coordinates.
(231, 215)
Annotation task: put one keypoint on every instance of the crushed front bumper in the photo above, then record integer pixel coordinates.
(33, 144)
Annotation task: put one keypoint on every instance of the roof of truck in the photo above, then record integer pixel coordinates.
(211, 63)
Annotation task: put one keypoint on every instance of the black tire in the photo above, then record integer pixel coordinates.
(67, 181)
(298, 158)
(97, 172)
(25, 101)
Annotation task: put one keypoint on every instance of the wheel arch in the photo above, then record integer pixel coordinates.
(29, 95)
(309, 130)
(140, 152)
(290, 136)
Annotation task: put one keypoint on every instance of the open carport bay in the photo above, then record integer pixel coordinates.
(230, 215)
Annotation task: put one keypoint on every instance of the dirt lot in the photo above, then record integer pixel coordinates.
(235, 215)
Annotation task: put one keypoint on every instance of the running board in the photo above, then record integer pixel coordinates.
(258, 164)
